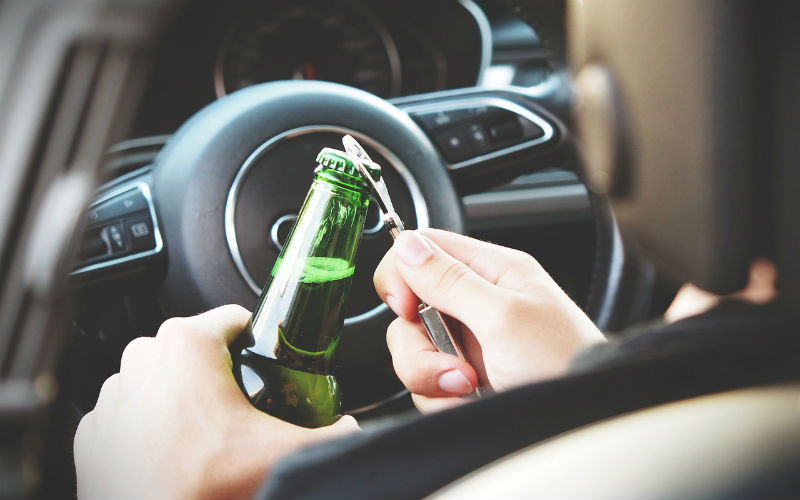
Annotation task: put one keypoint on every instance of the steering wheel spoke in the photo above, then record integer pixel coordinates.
(122, 235)
(223, 184)
(486, 137)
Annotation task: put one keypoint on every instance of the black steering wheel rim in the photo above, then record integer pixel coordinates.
(193, 178)
(193, 175)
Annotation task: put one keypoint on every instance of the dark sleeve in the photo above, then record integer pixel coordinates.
(418, 456)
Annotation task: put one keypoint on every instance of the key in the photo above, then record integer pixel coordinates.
(433, 320)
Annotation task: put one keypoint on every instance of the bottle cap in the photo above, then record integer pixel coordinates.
(340, 161)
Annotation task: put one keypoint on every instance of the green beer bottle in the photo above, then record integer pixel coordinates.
(283, 357)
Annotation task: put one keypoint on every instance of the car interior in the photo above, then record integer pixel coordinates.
(154, 155)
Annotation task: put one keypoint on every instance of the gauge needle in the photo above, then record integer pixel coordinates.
(305, 72)
(309, 73)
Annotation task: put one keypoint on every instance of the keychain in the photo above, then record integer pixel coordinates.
(434, 322)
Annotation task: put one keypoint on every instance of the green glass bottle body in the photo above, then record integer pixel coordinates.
(282, 360)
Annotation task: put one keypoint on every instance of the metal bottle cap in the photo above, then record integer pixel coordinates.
(340, 161)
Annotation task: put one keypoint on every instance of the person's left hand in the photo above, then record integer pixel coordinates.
(174, 423)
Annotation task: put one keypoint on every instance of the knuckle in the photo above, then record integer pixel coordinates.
(233, 310)
(137, 344)
(419, 380)
(174, 330)
(419, 401)
(381, 267)
(135, 350)
(169, 325)
(384, 273)
(413, 385)
(407, 376)
(452, 276)
(108, 388)
(85, 422)
(523, 262)
(524, 258)
(393, 333)
(526, 272)
(81, 431)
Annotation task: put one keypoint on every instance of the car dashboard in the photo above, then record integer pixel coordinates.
(391, 49)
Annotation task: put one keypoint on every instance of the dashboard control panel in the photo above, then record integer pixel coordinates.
(471, 132)
(121, 227)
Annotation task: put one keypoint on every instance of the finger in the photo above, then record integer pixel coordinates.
(443, 281)
(423, 369)
(84, 442)
(84, 435)
(343, 426)
(222, 324)
(109, 390)
(225, 322)
(137, 350)
(392, 288)
(426, 404)
(502, 266)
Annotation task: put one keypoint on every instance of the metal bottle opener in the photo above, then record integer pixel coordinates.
(434, 322)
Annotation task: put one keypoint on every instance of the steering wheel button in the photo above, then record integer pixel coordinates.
(140, 232)
(441, 118)
(126, 203)
(454, 145)
(436, 120)
(92, 246)
(478, 137)
(112, 235)
(506, 131)
(479, 111)
(530, 130)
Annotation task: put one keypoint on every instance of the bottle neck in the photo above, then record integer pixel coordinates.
(300, 314)
(341, 180)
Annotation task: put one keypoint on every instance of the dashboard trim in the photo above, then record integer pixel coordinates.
(538, 204)
(485, 31)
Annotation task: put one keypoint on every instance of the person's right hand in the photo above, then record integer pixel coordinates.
(515, 323)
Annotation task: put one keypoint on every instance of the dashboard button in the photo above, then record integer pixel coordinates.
(126, 203)
(454, 144)
(476, 134)
(140, 232)
(530, 130)
(112, 235)
(436, 120)
(507, 131)
(92, 246)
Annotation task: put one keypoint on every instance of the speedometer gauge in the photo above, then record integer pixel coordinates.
(332, 41)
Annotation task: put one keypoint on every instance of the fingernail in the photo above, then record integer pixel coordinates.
(412, 248)
(455, 382)
(392, 303)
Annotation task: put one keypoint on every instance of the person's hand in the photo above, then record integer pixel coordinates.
(174, 423)
(515, 323)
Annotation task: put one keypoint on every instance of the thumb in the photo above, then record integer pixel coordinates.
(342, 427)
(223, 323)
(442, 281)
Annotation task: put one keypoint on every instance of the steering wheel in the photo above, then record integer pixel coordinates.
(223, 192)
